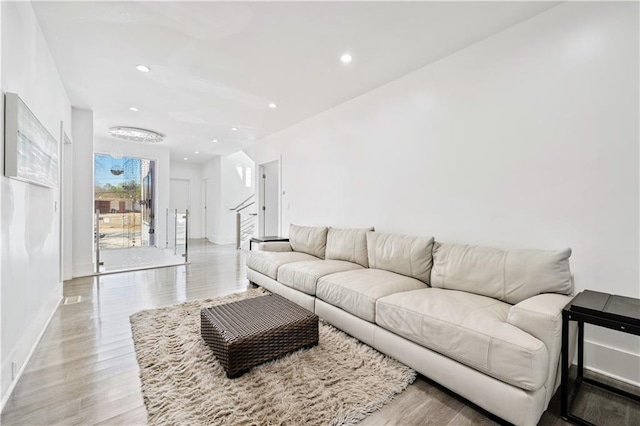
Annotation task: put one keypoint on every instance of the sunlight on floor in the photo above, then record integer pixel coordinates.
(138, 258)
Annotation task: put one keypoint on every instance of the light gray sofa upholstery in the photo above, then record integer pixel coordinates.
(484, 322)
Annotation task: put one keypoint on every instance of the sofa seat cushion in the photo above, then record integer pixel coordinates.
(469, 328)
(303, 276)
(267, 263)
(357, 291)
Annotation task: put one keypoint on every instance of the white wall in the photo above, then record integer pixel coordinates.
(30, 288)
(82, 208)
(160, 154)
(192, 173)
(527, 139)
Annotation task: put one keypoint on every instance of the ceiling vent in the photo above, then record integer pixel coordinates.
(135, 134)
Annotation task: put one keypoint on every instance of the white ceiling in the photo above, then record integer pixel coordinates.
(218, 65)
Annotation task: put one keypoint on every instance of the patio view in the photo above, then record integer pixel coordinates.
(119, 200)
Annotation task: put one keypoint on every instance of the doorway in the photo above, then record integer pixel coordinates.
(269, 195)
(118, 200)
(125, 215)
(205, 198)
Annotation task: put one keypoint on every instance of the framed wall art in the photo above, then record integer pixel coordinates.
(31, 153)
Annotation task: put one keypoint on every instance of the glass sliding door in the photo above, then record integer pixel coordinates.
(118, 198)
(124, 203)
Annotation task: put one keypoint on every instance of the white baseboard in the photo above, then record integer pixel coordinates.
(612, 362)
(24, 344)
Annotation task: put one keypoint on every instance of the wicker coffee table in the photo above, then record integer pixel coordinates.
(249, 332)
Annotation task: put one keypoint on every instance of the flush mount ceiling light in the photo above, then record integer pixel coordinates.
(346, 58)
(185, 158)
(133, 109)
(215, 141)
(135, 134)
(272, 105)
(143, 68)
(196, 152)
(235, 129)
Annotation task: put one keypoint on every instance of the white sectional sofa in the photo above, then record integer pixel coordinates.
(483, 322)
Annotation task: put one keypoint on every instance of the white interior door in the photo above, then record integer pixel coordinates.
(180, 199)
(269, 209)
(205, 183)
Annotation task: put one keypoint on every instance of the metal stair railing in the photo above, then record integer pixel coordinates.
(245, 226)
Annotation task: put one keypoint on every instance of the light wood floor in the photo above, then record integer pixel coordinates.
(84, 371)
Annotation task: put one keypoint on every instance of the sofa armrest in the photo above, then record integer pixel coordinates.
(540, 316)
(273, 246)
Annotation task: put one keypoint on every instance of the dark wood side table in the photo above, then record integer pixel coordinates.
(267, 239)
(604, 310)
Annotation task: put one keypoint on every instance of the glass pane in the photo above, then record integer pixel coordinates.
(118, 197)
(181, 233)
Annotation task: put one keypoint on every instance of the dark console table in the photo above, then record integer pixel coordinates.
(267, 239)
(604, 310)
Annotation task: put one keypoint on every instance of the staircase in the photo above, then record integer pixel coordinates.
(245, 222)
(247, 228)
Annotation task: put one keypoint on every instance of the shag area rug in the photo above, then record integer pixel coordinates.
(339, 381)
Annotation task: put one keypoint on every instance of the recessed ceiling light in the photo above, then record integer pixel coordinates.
(135, 134)
(215, 141)
(272, 105)
(196, 152)
(143, 68)
(235, 129)
(346, 58)
(185, 158)
(133, 109)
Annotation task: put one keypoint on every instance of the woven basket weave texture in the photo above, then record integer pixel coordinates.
(248, 332)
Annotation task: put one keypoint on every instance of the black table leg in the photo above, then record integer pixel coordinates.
(580, 350)
(564, 386)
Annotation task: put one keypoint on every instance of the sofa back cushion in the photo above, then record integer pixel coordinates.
(402, 254)
(308, 239)
(508, 275)
(348, 244)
